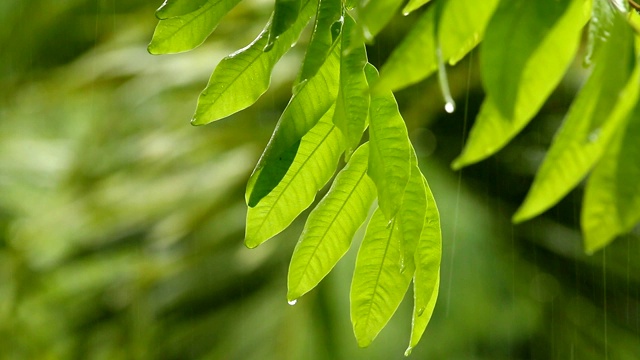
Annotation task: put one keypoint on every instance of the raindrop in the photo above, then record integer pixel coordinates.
(292, 302)
(269, 46)
(405, 13)
(450, 107)
(421, 311)
(408, 351)
(594, 135)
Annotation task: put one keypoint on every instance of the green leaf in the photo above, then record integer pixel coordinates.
(612, 196)
(378, 284)
(185, 32)
(285, 14)
(515, 32)
(306, 107)
(412, 214)
(426, 280)
(390, 154)
(326, 29)
(412, 5)
(329, 230)
(543, 71)
(461, 25)
(602, 18)
(352, 104)
(313, 165)
(599, 109)
(372, 16)
(172, 8)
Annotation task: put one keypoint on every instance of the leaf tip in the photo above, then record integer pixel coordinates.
(408, 351)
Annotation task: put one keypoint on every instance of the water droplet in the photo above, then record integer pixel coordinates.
(269, 46)
(408, 351)
(450, 107)
(594, 135)
(368, 36)
(406, 13)
(421, 311)
(292, 302)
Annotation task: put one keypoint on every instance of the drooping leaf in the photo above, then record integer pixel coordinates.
(411, 216)
(612, 196)
(313, 165)
(331, 225)
(390, 153)
(378, 284)
(515, 32)
(413, 5)
(602, 17)
(185, 32)
(172, 8)
(426, 280)
(373, 16)
(285, 14)
(460, 27)
(326, 29)
(543, 71)
(312, 101)
(352, 104)
(242, 77)
(599, 109)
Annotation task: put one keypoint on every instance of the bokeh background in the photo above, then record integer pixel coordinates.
(121, 226)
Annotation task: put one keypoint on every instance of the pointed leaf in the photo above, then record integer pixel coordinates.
(185, 32)
(612, 197)
(390, 154)
(172, 8)
(411, 215)
(327, 28)
(427, 274)
(306, 107)
(372, 16)
(331, 225)
(352, 104)
(313, 165)
(602, 18)
(242, 77)
(378, 284)
(599, 109)
(285, 14)
(413, 5)
(544, 70)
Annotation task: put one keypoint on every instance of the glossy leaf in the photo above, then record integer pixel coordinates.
(326, 29)
(378, 284)
(331, 225)
(242, 77)
(185, 32)
(412, 5)
(172, 8)
(599, 109)
(352, 104)
(602, 17)
(411, 216)
(285, 14)
(426, 281)
(390, 154)
(612, 196)
(461, 25)
(314, 164)
(372, 16)
(311, 102)
(543, 71)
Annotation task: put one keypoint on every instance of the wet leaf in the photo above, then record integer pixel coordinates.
(185, 32)
(172, 8)
(413, 5)
(331, 225)
(242, 77)
(285, 14)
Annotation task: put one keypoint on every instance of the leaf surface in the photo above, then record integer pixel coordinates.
(241, 78)
(285, 14)
(172, 8)
(330, 228)
(412, 5)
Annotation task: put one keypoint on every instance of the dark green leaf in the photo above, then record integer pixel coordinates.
(285, 14)
(241, 78)
(185, 32)
(331, 225)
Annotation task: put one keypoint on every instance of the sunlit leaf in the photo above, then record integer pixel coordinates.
(314, 164)
(461, 25)
(515, 32)
(602, 17)
(599, 109)
(331, 225)
(185, 32)
(326, 29)
(241, 78)
(426, 280)
(378, 284)
(352, 104)
(390, 153)
(311, 102)
(411, 216)
(285, 14)
(171, 8)
(413, 5)
(373, 16)
(612, 197)
(543, 71)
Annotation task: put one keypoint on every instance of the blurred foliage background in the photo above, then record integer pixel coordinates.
(121, 225)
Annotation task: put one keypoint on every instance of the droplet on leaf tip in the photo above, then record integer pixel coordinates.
(292, 302)
(449, 107)
(408, 351)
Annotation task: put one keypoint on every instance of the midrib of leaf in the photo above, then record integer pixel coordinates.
(295, 174)
(331, 224)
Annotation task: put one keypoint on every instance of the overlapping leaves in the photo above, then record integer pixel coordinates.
(338, 97)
